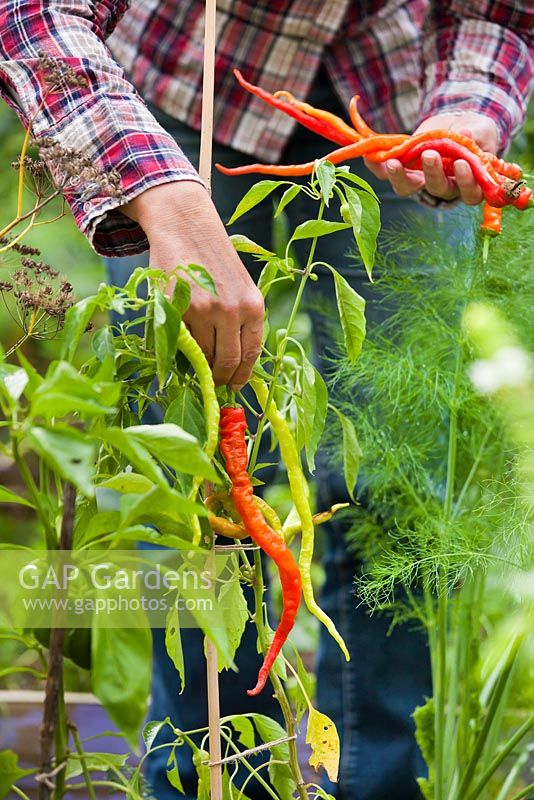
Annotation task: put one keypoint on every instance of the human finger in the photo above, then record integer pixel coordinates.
(470, 191)
(405, 182)
(227, 349)
(251, 338)
(436, 181)
(203, 334)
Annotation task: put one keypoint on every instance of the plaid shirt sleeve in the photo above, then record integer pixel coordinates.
(106, 120)
(479, 56)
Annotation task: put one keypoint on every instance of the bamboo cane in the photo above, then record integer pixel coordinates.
(205, 164)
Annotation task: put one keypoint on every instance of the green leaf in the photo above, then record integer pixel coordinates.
(121, 672)
(7, 496)
(127, 483)
(245, 730)
(234, 607)
(173, 774)
(162, 507)
(351, 309)
(280, 774)
(171, 445)
(103, 343)
(91, 525)
(65, 391)
(355, 210)
(151, 730)
(167, 320)
(10, 772)
(186, 411)
(255, 195)
(313, 228)
(15, 383)
(314, 407)
(95, 762)
(326, 175)
(287, 197)
(181, 296)
(138, 455)
(78, 317)
(345, 174)
(367, 235)
(303, 698)
(173, 644)
(245, 245)
(67, 452)
(352, 453)
(200, 276)
(34, 378)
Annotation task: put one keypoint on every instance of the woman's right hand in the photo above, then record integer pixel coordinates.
(183, 227)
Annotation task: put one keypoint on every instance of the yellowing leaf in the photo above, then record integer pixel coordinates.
(323, 737)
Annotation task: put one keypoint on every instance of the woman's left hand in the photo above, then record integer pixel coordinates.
(432, 177)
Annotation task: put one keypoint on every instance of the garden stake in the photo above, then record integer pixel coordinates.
(54, 700)
(212, 667)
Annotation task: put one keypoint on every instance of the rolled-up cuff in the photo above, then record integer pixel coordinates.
(119, 135)
(479, 97)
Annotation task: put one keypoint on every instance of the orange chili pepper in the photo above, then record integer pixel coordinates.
(345, 131)
(319, 122)
(357, 120)
(361, 148)
(491, 220)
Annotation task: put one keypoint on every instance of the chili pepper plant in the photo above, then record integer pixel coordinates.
(444, 530)
(76, 429)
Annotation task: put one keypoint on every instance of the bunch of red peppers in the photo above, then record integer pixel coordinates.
(501, 181)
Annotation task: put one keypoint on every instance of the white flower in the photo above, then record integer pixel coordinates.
(509, 367)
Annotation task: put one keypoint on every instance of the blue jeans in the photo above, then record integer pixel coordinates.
(371, 698)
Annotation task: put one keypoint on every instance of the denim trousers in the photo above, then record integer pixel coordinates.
(371, 697)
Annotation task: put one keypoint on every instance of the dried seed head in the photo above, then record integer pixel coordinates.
(34, 166)
(57, 73)
(75, 173)
(42, 303)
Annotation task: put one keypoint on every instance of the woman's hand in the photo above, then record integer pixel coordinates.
(406, 182)
(183, 227)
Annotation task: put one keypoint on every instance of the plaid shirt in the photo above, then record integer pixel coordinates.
(408, 59)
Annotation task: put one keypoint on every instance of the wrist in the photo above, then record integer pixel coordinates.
(158, 208)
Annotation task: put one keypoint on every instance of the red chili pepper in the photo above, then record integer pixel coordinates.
(491, 220)
(234, 450)
(327, 125)
(496, 193)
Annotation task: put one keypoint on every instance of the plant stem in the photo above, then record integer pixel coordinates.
(19, 792)
(524, 793)
(511, 778)
(28, 214)
(498, 692)
(275, 680)
(50, 534)
(61, 738)
(83, 762)
(501, 755)
(282, 347)
(248, 766)
(443, 604)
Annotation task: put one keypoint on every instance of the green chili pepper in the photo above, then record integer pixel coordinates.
(300, 492)
(192, 351)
